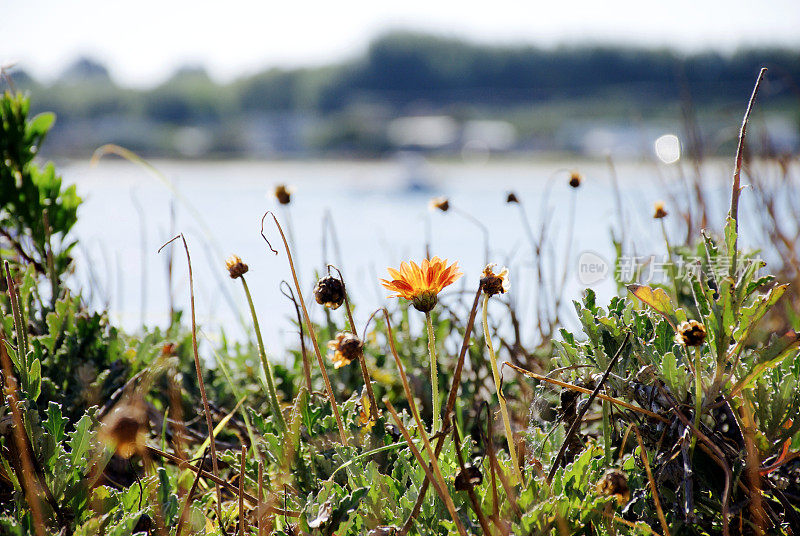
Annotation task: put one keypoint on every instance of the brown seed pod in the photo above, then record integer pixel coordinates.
(614, 484)
(329, 291)
(691, 333)
(575, 179)
(236, 268)
(283, 194)
(440, 203)
(346, 348)
(124, 429)
(659, 211)
(492, 283)
(470, 477)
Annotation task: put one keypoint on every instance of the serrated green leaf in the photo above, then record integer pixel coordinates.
(657, 299)
(55, 423)
(769, 357)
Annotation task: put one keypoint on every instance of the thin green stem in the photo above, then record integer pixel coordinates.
(273, 397)
(512, 450)
(672, 273)
(434, 375)
(698, 393)
(607, 432)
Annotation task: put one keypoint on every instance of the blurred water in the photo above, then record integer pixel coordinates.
(379, 222)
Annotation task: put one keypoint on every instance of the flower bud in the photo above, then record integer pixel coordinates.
(440, 203)
(575, 179)
(283, 194)
(659, 211)
(236, 268)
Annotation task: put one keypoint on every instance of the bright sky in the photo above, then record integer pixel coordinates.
(143, 41)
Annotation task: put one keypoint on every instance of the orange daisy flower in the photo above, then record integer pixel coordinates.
(421, 284)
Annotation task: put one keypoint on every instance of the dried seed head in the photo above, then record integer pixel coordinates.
(440, 203)
(575, 179)
(659, 211)
(329, 291)
(614, 484)
(346, 348)
(469, 477)
(283, 194)
(691, 333)
(492, 283)
(124, 429)
(512, 198)
(236, 268)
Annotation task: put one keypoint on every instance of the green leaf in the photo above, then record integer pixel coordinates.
(12, 353)
(730, 235)
(657, 299)
(55, 423)
(769, 357)
(35, 380)
(749, 317)
(80, 440)
(41, 124)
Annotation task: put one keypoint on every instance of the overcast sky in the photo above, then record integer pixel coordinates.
(143, 41)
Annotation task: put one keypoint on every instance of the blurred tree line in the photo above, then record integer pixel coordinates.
(345, 107)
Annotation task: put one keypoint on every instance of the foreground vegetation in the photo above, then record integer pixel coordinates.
(673, 411)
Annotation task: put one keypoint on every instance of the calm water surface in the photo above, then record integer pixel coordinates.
(379, 217)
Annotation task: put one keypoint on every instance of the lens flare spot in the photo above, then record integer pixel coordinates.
(668, 148)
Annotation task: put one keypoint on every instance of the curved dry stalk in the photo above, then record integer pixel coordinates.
(303, 352)
(260, 496)
(27, 472)
(586, 391)
(512, 451)
(242, 520)
(201, 383)
(570, 234)
(436, 477)
(209, 236)
(476, 505)
(577, 422)
(362, 360)
(653, 488)
(183, 464)
(737, 170)
(712, 450)
(307, 318)
(190, 495)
